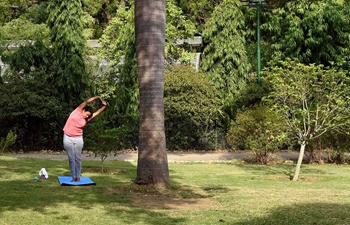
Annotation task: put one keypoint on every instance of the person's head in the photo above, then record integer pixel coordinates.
(87, 112)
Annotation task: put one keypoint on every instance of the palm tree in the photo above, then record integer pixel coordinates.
(152, 167)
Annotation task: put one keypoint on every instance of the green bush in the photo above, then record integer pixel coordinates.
(259, 129)
(192, 109)
(335, 144)
(103, 140)
(29, 108)
(6, 142)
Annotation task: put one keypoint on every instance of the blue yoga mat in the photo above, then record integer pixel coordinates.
(66, 181)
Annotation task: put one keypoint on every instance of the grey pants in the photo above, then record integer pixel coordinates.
(73, 147)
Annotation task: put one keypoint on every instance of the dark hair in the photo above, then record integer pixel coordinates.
(88, 109)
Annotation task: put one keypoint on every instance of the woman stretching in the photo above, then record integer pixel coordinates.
(73, 134)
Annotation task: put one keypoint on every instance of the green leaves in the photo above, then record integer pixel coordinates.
(192, 107)
(23, 30)
(314, 32)
(259, 129)
(224, 56)
(314, 99)
(66, 24)
(6, 142)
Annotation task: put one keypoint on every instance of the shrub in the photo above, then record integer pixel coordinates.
(192, 108)
(259, 129)
(102, 140)
(336, 144)
(6, 142)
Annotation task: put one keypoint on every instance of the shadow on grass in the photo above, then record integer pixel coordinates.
(280, 169)
(18, 191)
(311, 213)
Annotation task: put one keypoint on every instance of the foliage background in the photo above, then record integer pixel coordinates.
(51, 70)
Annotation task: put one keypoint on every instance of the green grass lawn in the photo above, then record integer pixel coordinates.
(201, 193)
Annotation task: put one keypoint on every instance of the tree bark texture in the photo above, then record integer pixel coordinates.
(152, 167)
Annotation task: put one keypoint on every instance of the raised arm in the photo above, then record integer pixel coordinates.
(86, 102)
(104, 104)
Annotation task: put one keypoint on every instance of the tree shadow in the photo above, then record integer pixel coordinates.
(311, 213)
(279, 169)
(115, 191)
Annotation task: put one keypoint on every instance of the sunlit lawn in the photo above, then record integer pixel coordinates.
(228, 192)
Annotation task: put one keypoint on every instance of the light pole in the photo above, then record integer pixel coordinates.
(258, 4)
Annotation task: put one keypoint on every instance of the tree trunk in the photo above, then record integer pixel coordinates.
(152, 167)
(300, 160)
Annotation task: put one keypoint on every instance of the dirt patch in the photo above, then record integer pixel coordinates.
(179, 199)
(309, 179)
(279, 177)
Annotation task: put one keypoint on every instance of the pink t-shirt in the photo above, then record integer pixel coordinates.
(75, 123)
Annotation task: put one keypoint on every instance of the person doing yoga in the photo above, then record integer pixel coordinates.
(73, 133)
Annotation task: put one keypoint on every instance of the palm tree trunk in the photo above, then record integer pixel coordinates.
(300, 160)
(152, 167)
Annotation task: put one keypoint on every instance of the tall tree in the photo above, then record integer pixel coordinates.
(118, 45)
(118, 49)
(152, 167)
(225, 55)
(68, 42)
(313, 99)
(312, 31)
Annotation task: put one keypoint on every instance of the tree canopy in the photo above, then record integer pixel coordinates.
(313, 99)
(314, 32)
(43, 46)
